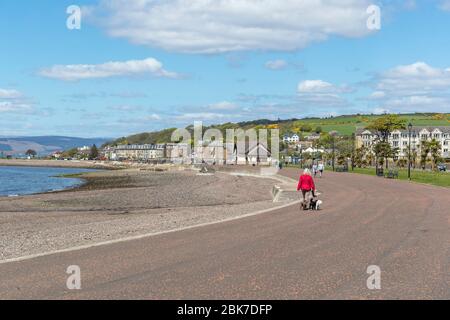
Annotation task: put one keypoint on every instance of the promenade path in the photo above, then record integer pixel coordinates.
(399, 226)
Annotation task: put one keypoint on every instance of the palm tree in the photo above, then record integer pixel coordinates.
(424, 151)
(434, 149)
(414, 158)
(359, 156)
(369, 158)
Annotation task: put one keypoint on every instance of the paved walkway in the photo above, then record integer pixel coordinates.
(286, 254)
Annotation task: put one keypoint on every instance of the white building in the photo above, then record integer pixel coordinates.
(255, 155)
(313, 150)
(295, 138)
(135, 152)
(400, 139)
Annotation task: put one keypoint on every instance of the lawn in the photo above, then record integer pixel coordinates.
(346, 125)
(435, 178)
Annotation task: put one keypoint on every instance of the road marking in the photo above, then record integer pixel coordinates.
(148, 235)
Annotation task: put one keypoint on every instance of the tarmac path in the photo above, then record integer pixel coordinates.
(401, 227)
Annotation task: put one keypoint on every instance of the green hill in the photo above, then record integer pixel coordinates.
(344, 125)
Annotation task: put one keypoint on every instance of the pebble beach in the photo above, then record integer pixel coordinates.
(115, 204)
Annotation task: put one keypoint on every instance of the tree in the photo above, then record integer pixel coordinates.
(433, 148)
(359, 156)
(325, 141)
(424, 151)
(382, 151)
(31, 153)
(402, 163)
(383, 126)
(369, 158)
(70, 153)
(94, 153)
(386, 124)
(306, 128)
(318, 129)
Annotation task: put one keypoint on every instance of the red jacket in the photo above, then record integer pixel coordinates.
(306, 182)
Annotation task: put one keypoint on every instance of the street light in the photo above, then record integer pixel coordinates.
(301, 157)
(409, 150)
(333, 135)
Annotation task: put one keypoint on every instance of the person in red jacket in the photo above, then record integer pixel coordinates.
(306, 184)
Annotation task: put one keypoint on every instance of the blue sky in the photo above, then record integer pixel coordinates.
(144, 65)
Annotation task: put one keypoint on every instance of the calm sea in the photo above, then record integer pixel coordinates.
(16, 181)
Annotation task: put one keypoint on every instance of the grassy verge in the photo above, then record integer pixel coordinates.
(435, 178)
(441, 179)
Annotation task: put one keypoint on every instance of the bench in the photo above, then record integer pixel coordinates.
(341, 169)
(392, 174)
(380, 172)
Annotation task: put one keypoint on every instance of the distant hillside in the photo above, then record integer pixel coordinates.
(344, 125)
(44, 145)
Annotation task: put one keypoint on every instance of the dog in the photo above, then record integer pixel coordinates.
(315, 204)
(304, 205)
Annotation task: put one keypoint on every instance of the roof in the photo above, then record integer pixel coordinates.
(443, 129)
(255, 150)
(139, 147)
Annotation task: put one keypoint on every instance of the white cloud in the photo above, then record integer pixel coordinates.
(320, 86)
(224, 105)
(154, 117)
(445, 5)
(377, 95)
(9, 94)
(320, 94)
(215, 26)
(415, 87)
(316, 86)
(200, 116)
(276, 64)
(15, 107)
(13, 101)
(380, 111)
(415, 78)
(148, 66)
(126, 108)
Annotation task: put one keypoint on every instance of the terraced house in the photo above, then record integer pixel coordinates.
(400, 139)
(143, 152)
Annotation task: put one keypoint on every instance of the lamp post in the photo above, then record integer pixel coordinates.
(333, 135)
(301, 157)
(409, 150)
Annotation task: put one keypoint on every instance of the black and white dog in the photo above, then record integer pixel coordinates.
(315, 204)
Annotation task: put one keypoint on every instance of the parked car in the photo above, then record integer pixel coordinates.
(442, 167)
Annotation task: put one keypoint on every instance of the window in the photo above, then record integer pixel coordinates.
(395, 143)
(405, 143)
